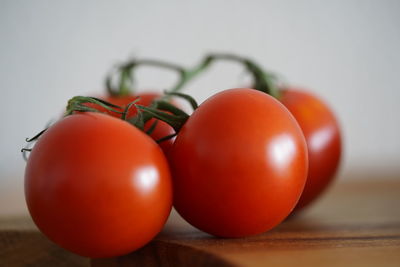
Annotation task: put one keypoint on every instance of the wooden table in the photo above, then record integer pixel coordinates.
(356, 223)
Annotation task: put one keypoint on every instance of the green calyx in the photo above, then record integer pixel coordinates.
(77, 103)
(160, 109)
(175, 121)
(167, 112)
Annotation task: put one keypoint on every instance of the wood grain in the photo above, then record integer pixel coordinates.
(21, 244)
(356, 223)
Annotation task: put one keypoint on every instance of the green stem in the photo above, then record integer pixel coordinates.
(188, 98)
(124, 83)
(168, 113)
(165, 138)
(126, 79)
(175, 121)
(262, 80)
(152, 127)
(77, 104)
(188, 75)
(28, 140)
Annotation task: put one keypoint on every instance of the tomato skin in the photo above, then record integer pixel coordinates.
(239, 164)
(145, 99)
(97, 186)
(161, 130)
(323, 138)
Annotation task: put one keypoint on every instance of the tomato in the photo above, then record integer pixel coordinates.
(239, 164)
(322, 134)
(97, 186)
(161, 130)
(145, 99)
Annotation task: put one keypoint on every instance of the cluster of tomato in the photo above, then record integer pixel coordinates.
(98, 185)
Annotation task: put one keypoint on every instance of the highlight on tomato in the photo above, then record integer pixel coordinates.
(322, 133)
(239, 164)
(319, 124)
(97, 186)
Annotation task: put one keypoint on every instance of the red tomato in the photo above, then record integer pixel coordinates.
(239, 164)
(322, 134)
(161, 130)
(145, 99)
(97, 186)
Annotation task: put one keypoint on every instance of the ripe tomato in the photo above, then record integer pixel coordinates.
(239, 164)
(322, 134)
(97, 186)
(161, 130)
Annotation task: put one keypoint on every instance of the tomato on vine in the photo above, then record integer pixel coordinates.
(318, 123)
(97, 186)
(323, 138)
(123, 92)
(160, 130)
(239, 164)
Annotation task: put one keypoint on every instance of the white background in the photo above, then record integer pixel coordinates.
(345, 51)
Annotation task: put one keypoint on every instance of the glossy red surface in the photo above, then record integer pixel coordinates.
(322, 134)
(239, 164)
(97, 186)
(161, 130)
